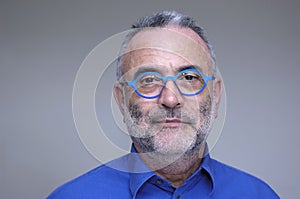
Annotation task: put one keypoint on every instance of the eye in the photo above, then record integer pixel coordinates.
(190, 76)
(149, 80)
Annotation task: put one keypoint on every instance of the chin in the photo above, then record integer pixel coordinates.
(174, 147)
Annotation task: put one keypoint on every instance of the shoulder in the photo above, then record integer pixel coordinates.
(240, 183)
(101, 181)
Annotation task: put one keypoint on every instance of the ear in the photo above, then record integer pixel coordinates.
(217, 94)
(119, 96)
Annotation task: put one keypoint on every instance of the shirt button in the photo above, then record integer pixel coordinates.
(159, 181)
(179, 197)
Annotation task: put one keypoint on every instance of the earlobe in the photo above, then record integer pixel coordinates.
(218, 88)
(119, 96)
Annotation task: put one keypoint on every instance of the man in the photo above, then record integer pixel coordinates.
(168, 93)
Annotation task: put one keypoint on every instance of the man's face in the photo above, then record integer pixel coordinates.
(171, 124)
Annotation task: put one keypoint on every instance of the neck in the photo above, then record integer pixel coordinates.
(176, 173)
(175, 170)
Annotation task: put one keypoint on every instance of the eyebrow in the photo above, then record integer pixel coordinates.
(186, 67)
(146, 69)
(150, 68)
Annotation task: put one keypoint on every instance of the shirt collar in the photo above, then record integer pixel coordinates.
(142, 173)
(207, 165)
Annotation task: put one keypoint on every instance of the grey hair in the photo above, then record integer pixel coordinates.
(162, 19)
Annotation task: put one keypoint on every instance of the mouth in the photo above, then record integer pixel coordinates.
(171, 123)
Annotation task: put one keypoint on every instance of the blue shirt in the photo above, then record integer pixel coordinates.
(129, 177)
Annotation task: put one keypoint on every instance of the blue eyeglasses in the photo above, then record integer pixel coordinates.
(149, 85)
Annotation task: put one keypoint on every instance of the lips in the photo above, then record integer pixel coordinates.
(171, 122)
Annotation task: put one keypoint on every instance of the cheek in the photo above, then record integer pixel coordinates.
(199, 106)
(205, 106)
(135, 112)
(133, 99)
(130, 97)
(194, 103)
(209, 89)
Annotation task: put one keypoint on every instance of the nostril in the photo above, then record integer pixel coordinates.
(169, 98)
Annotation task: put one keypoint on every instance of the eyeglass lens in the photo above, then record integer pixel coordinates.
(189, 82)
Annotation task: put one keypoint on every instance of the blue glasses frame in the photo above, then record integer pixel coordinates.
(165, 79)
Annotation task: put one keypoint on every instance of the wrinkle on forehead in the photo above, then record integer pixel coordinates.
(183, 42)
(170, 38)
(169, 32)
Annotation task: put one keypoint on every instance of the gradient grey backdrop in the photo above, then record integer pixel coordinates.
(43, 44)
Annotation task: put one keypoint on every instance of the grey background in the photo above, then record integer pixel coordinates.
(43, 44)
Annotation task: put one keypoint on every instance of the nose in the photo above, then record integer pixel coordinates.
(170, 96)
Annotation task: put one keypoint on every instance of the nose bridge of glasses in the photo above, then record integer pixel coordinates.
(173, 79)
(166, 78)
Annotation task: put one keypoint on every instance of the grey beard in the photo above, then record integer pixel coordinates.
(142, 132)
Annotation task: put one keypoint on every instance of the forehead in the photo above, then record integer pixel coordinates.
(170, 47)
